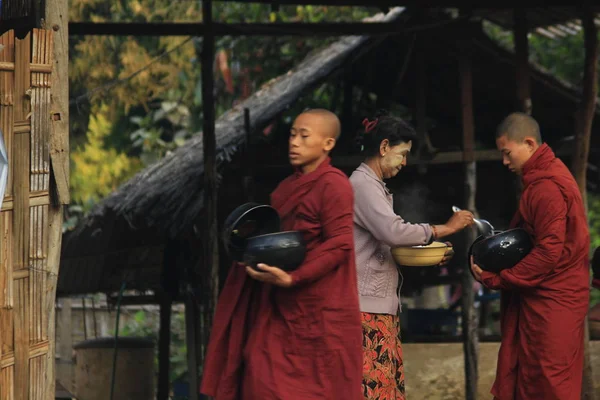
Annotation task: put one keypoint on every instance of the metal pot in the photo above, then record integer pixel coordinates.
(285, 250)
(246, 221)
(501, 250)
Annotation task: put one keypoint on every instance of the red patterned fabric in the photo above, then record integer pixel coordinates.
(383, 368)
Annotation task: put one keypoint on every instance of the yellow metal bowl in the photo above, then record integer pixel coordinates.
(420, 256)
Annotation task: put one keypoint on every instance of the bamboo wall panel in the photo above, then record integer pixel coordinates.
(38, 256)
(6, 270)
(37, 367)
(21, 329)
(40, 121)
(7, 377)
(25, 98)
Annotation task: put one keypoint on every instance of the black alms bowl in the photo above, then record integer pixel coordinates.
(502, 250)
(248, 220)
(285, 250)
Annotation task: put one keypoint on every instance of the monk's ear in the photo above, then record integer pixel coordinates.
(531, 143)
(329, 144)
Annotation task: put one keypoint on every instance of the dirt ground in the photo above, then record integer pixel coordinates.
(436, 371)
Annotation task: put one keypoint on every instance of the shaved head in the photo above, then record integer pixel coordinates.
(519, 126)
(331, 123)
(518, 138)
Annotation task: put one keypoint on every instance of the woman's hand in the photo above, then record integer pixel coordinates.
(448, 255)
(272, 275)
(457, 222)
(460, 220)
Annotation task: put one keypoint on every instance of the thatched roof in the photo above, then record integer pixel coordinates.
(169, 193)
(124, 236)
(167, 197)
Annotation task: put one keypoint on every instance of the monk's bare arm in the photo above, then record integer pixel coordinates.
(337, 225)
(549, 210)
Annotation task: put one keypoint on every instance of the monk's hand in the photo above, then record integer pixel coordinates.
(476, 270)
(272, 275)
(448, 255)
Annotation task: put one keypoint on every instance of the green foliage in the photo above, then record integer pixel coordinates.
(594, 219)
(141, 97)
(98, 170)
(561, 56)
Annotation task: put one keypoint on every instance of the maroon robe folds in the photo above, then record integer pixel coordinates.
(303, 342)
(545, 297)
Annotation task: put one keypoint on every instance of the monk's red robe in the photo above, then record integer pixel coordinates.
(303, 342)
(545, 297)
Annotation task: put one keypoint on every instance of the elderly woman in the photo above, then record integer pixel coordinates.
(386, 141)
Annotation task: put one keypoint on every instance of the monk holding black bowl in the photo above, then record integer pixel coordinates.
(296, 335)
(545, 296)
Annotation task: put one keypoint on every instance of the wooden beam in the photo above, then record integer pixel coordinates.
(580, 158)
(448, 157)
(251, 29)
(473, 4)
(469, 316)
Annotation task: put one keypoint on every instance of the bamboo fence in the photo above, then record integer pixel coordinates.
(25, 284)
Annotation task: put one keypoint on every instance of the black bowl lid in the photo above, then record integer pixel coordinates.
(246, 221)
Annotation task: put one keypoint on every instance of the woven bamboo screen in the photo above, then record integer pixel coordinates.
(25, 287)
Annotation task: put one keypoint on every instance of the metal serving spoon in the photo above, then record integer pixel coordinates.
(483, 226)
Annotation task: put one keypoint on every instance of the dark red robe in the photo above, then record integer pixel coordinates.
(298, 343)
(545, 297)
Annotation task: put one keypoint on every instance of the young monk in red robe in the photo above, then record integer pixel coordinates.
(545, 297)
(298, 335)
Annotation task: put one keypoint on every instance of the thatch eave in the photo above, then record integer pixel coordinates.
(168, 194)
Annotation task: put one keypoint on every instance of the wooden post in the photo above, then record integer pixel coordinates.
(164, 342)
(582, 149)
(169, 285)
(250, 159)
(191, 323)
(421, 103)
(211, 234)
(65, 365)
(522, 56)
(469, 316)
(348, 100)
(523, 80)
(56, 18)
